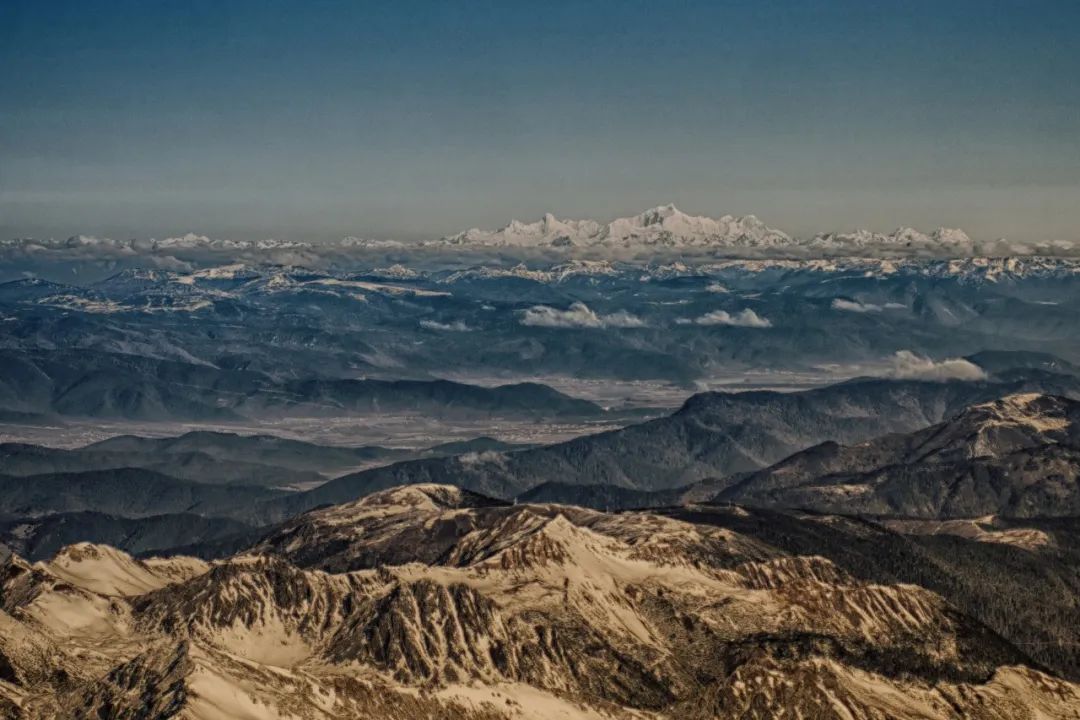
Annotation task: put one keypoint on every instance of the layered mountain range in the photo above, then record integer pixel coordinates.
(145, 387)
(429, 602)
(930, 449)
(701, 449)
(874, 548)
(843, 487)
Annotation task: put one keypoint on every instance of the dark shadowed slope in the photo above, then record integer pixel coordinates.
(130, 492)
(42, 537)
(115, 385)
(1016, 456)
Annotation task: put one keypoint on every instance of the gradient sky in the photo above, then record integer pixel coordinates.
(148, 118)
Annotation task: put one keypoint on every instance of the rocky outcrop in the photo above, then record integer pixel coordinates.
(529, 611)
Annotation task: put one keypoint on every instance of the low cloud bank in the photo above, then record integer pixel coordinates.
(855, 306)
(906, 365)
(578, 315)
(864, 307)
(455, 326)
(743, 318)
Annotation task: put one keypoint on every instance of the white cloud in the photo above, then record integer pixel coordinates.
(855, 306)
(906, 365)
(481, 458)
(168, 262)
(456, 326)
(716, 288)
(743, 318)
(622, 319)
(578, 315)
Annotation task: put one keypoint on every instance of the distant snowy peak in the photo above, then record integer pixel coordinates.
(546, 232)
(666, 228)
(667, 225)
(661, 226)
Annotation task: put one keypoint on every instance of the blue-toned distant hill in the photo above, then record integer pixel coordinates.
(112, 385)
(713, 436)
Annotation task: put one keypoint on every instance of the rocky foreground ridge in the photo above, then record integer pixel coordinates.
(430, 602)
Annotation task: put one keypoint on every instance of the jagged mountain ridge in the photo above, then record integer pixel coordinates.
(660, 227)
(665, 226)
(540, 612)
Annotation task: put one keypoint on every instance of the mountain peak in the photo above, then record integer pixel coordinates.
(1033, 410)
(658, 213)
(104, 569)
(428, 496)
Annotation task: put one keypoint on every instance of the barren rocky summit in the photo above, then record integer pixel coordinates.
(428, 601)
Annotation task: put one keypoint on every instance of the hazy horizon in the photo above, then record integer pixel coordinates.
(296, 422)
(251, 120)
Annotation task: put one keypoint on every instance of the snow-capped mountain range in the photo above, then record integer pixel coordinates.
(659, 231)
(665, 227)
(662, 226)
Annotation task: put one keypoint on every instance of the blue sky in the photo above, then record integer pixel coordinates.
(321, 119)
